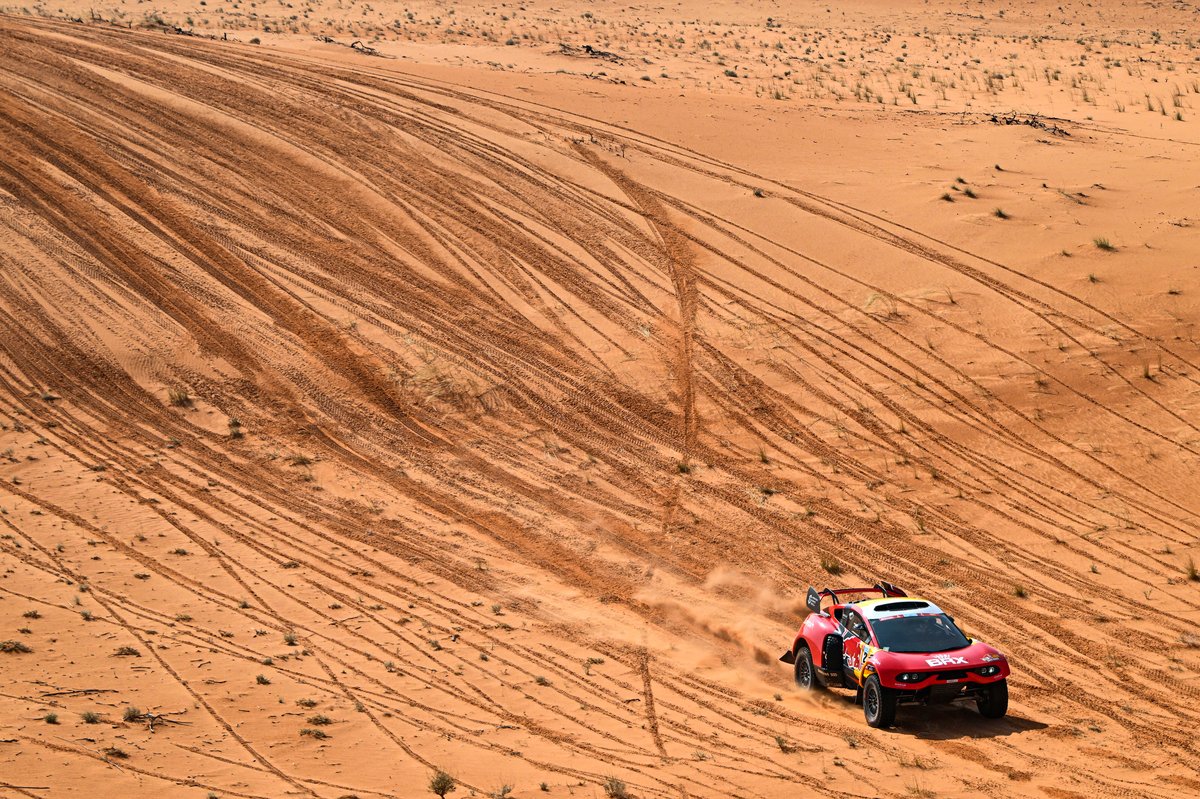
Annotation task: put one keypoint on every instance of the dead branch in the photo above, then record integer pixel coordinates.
(357, 46)
(158, 718)
(82, 692)
(587, 51)
(1029, 120)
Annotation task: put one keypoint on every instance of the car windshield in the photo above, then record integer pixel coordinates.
(927, 633)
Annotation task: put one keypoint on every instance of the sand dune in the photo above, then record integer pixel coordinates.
(367, 416)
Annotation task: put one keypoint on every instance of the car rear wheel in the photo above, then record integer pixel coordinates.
(879, 703)
(805, 676)
(993, 700)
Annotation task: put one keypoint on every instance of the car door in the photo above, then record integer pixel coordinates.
(855, 638)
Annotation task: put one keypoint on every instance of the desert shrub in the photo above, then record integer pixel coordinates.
(615, 789)
(442, 783)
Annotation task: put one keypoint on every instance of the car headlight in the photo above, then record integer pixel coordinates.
(910, 676)
(988, 671)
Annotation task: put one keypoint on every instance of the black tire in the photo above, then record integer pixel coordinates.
(806, 676)
(993, 700)
(879, 703)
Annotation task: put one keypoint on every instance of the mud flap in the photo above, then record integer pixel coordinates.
(831, 659)
(788, 657)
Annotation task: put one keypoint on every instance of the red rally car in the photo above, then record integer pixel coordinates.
(895, 649)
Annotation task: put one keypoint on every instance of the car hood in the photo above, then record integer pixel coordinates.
(976, 654)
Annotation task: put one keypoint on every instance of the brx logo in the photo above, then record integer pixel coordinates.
(947, 660)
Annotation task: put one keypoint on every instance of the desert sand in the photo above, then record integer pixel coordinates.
(387, 388)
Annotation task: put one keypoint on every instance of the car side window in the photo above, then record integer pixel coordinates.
(855, 624)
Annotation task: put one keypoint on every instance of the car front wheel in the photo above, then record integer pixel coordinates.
(805, 678)
(993, 700)
(879, 703)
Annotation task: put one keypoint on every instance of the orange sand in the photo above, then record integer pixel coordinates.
(497, 402)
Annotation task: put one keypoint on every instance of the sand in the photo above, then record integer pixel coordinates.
(465, 399)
